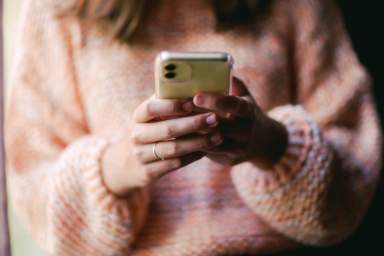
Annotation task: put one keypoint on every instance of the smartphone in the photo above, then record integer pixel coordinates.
(181, 75)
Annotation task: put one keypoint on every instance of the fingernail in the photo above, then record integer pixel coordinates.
(198, 99)
(211, 119)
(188, 106)
(216, 138)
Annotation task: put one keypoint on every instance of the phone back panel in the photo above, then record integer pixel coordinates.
(183, 74)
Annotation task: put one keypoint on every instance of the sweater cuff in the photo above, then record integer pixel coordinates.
(82, 211)
(290, 196)
(85, 156)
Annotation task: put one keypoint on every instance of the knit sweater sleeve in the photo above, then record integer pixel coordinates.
(322, 186)
(54, 159)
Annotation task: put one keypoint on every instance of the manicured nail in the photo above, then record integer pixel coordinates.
(198, 100)
(211, 119)
(188, 106)
(216, 138)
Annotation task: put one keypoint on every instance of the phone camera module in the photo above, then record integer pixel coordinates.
(170, 75)
(170, 67)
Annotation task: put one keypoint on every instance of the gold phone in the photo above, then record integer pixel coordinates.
(181, 75)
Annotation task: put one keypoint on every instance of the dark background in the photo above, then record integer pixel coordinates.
(365, 23)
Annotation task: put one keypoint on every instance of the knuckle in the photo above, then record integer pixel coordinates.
(149, 109)
(174, 163)
(135, 137)
(172, 149)
(138, 153)
(147, 169)
(136, 115)
(205, 142)
(169, 131)
(198, 122)
(175, 107)
(166, 131)
(215, 102)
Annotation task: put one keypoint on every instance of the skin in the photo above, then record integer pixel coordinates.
(230, 130)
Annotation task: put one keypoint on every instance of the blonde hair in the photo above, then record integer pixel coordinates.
(125, 15)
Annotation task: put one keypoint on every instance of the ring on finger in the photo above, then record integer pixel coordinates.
(155, 153)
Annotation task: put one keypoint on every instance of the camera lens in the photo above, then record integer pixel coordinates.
(170, 75)
(170, 67)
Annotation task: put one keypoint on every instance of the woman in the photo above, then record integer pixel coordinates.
(291, 158)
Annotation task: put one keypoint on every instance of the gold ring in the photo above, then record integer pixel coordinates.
(155, 153)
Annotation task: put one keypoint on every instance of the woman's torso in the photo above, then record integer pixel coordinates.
(196, 210)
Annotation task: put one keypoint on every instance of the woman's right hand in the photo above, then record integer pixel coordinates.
(179, 135)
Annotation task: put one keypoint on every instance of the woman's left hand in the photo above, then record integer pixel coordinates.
(249, 134)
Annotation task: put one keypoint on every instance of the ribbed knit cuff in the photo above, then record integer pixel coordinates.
(84, 216)
(291, 195)
(85, 157)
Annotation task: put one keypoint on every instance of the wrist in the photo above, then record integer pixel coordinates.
(270, 142)
(120, 171)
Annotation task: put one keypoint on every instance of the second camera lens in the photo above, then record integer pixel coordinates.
(170, 75)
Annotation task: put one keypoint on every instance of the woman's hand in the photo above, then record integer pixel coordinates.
(249, 134)
(165, 135)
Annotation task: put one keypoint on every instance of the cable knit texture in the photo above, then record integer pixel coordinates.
(74, 89)
(291, 195)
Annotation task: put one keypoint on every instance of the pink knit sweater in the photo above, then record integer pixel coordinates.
(73, 90)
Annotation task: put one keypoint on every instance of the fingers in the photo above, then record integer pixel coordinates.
(239, 130)
(229, 148)
(159, 168)
(228, 153)
(176, 148)
(174, 128)
(224, 105)
(156, 108)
